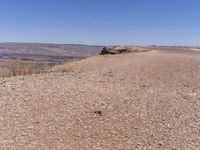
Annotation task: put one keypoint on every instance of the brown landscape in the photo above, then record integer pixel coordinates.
(44, 53)
(145, 98)
(28, 58)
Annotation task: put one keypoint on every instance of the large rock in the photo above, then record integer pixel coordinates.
(122, 49)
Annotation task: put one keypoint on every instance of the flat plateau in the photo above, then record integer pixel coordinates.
(147, 100)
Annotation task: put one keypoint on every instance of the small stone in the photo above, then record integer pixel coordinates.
(98, 112)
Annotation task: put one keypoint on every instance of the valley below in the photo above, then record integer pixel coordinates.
(46, 54)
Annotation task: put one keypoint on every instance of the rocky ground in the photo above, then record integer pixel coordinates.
(147, 100)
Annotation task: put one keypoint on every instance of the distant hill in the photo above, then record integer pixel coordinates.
(46, 52)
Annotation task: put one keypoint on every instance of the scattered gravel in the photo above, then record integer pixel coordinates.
(148, 100)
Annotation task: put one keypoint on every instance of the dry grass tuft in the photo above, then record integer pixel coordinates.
(18, 68)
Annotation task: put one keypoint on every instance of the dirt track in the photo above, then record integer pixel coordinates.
(147, 100)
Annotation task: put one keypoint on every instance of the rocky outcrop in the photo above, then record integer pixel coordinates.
(122, 49)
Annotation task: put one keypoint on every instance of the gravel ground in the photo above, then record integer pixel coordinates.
(147, 100)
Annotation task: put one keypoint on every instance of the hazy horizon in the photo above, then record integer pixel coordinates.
(92, 22)
(98, 44)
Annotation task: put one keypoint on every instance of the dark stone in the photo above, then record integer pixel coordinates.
(98, 112)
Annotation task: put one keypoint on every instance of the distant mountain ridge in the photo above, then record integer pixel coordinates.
(48, 49)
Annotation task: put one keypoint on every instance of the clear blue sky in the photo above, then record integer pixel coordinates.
(163, 22)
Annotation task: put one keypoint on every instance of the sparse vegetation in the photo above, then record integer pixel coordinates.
(18, 67)
(13, 67)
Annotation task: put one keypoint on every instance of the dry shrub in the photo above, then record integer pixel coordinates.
(18, 68)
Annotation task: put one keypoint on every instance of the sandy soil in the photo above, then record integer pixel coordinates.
(148, 100)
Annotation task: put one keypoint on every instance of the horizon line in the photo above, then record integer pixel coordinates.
(82, 44)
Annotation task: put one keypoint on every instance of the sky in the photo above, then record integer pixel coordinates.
(101, 22)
